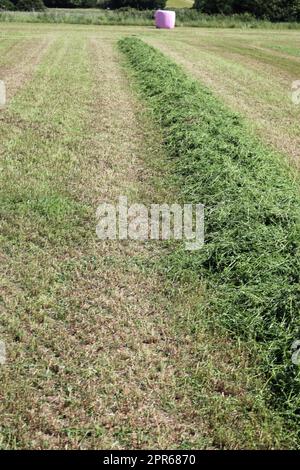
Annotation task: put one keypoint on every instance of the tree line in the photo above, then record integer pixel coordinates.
(273, 10)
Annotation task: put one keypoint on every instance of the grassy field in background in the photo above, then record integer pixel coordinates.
(251, 71)
(131, 17)
(100, 348)
(170, 4)
(180, 3)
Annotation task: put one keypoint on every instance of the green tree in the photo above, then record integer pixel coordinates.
(6, 5)
(274, 10)
(138, 4)
(215, 6)
(29, 5)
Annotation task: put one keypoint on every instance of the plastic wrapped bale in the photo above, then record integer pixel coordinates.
(165, 19)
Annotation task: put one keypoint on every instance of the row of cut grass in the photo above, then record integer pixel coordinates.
(251, 257)
(254, 83)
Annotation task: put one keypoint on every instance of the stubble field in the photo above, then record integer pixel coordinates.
(102, 348)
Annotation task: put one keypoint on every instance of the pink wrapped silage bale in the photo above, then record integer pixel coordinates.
(165, 19)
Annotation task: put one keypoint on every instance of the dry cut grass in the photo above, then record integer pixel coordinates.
(19, 59)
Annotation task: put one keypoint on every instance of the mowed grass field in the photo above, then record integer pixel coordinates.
(100, 349)
(252, 72)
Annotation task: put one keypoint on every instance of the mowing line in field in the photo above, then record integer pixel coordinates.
(18, 64)
(88, 343)
(40, 151)
(251, 256)
(261, 92)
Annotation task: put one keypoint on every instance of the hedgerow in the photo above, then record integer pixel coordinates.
(131, 16)
(6, 5)
(251, 258)
(273, 10)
